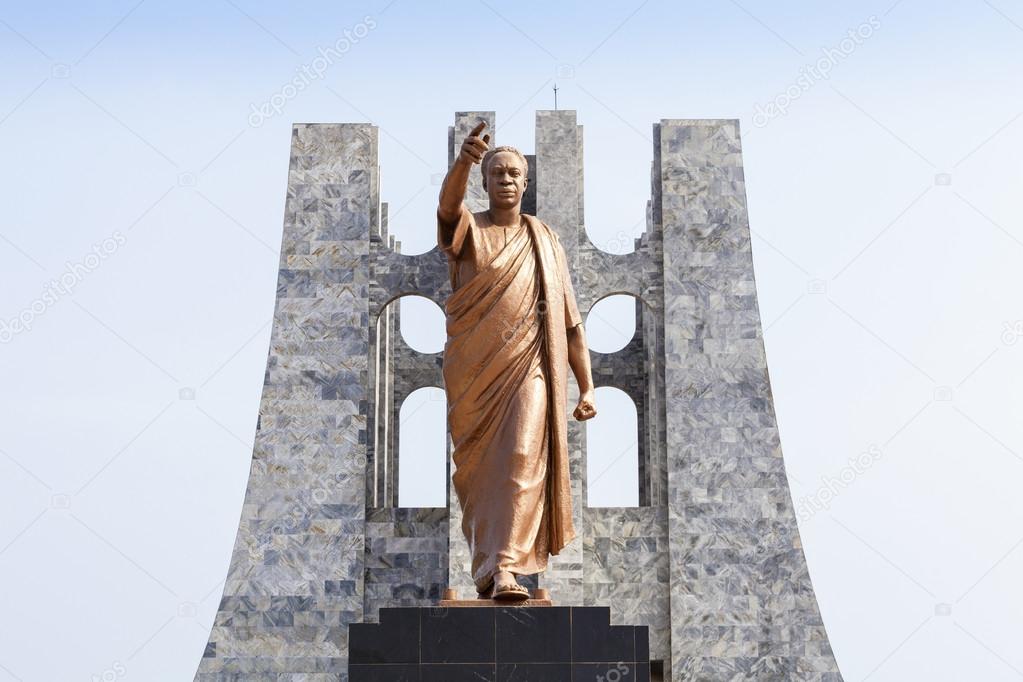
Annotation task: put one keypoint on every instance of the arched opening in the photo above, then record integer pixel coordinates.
(611, 323)
(422, 324)
(422, 449)
(612, 451)
(408, 332)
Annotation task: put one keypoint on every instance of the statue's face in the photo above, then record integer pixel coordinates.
(506, 180)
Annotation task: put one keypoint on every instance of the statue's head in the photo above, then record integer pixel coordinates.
(504, 172)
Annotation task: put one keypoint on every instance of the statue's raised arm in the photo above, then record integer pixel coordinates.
(452, 191)
(514, 329)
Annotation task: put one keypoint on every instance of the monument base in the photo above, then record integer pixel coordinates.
(497, 644)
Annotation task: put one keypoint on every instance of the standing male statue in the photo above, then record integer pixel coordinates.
(513, 325)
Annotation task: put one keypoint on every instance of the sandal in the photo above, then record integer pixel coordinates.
(509, 591)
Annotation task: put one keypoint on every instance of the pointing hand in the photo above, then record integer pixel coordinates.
(475, 146)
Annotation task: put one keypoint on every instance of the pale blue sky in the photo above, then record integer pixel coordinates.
(885, 206)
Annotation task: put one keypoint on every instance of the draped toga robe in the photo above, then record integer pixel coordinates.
(505, 376)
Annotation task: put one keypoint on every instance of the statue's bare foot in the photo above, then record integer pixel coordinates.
(506, 588)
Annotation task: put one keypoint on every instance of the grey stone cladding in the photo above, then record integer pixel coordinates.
(710, 560)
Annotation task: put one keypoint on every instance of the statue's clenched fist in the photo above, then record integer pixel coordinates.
(586, 407)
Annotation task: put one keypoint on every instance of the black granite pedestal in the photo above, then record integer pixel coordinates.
(498, 644)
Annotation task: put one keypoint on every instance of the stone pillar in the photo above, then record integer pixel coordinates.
(559, 199)
(742, 605)
(296, 576)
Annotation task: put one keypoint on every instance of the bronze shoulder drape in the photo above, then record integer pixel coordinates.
(505, 374)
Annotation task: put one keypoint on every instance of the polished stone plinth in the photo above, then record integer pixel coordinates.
(497, 644)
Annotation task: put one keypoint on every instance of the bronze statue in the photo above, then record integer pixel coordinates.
(513, 325)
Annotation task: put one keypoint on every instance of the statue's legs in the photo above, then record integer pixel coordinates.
(505, 517)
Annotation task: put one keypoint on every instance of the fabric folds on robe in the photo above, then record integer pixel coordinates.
(505, 367)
